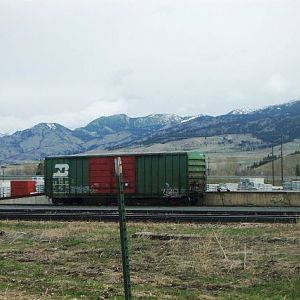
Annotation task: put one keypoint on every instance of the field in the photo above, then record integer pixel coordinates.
(81, 260)
(225, 155)
(237, 163)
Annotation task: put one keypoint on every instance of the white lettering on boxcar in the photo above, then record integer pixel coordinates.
(62, 170)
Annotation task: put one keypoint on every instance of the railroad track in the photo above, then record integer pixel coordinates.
(174, 214)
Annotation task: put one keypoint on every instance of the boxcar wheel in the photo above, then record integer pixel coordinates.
(194, 200)
(186, 200)
(78, 201)
(55, 201)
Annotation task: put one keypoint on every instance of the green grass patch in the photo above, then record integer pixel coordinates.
(81, 260)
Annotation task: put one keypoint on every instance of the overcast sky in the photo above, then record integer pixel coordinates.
(73, 61)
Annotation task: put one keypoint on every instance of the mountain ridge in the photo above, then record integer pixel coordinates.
(121, 131)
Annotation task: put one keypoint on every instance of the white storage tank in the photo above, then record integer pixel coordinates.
(4, 188)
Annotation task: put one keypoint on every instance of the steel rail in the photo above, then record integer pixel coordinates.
(142, 214)
(185, 209)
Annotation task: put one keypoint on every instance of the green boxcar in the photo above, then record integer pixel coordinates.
(172, 177)
(66, 177)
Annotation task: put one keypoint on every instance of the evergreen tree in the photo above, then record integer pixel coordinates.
(297, 170)
(40, 169)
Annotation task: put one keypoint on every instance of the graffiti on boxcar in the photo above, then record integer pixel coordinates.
(170, 192)
(80, 190)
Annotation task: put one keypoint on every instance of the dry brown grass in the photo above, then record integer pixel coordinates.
(72, 259)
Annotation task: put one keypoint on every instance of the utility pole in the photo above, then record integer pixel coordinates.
(3, 168)
(123, 229)
(273, 179)
(281, 160)
(208, 166)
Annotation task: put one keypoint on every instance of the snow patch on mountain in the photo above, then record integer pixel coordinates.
(241, 111)
(191, 118)
(51, 125)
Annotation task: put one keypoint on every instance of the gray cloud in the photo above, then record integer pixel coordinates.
(141, 57)
(71, 118)
(119, 77)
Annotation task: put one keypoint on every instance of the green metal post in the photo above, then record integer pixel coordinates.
(123, 230)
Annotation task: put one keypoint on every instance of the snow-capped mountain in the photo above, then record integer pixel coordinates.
(122, 131)
(266, 124)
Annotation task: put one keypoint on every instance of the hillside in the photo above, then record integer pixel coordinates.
(266, 124)
(238, 130)
(39, 141)
(289, 166)
(113, 131)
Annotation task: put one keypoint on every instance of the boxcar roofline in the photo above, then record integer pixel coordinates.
(122, 154)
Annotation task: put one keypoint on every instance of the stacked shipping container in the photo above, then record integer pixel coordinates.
(22, 187)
